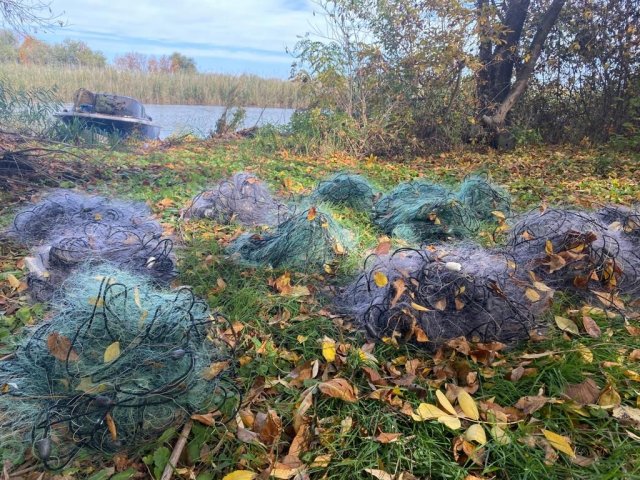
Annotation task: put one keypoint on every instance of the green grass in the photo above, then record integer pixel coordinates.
(283, 333)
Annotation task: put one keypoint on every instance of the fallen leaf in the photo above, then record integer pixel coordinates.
(633, 375)
(339, 388)
(111, 426)
(609, 397)
(240, 475)
(530, 404)
(379, 474)
(559, 442)
(591, 327)
(427, 411)
(268, 426)
(468, 405)
(13, 281)
(388, 437)
(445, 403)
(321, 461)
(585, 353)
(476, 433)
(440, 304)
(380, 279)
(213, 370)
(112, 352)
(312, 213)
(584, 393)
(329, 349)
(450, 421)
(566, 325)
(500, 435)
(60, 347)
(532, 295)
(627, 415)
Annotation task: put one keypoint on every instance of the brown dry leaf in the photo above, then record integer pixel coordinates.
(321, 461)
(282, 284)
(60, 347)
(440, 304)
(111, 426)
(609, 397)
(312, 213)
(399, 288)
(213, 370)
(268, 426)
(306, 401)
(380, 279)
(379, 474)
(634, 355)
(530, 404)
(591, 327)
(383, 247)
(566, 325)
(584, 393)
(559, 442)
(627, 415)
(13, 281)
(339, 388)
(609, 299)
(388, 437)
(468, 405)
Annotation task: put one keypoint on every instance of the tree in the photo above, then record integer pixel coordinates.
(501, 54)
(24, 16)
(8, 47)
(182, 63)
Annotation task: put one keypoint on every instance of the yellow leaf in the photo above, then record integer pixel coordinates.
(567, 325)
(468, 405)
(635, 376)
(112, 352)
(585, 353)
(548, 247)
(427, 411)
(559, 442)
(339, 248)
(476, 433)
(240, 475)
(532, 295)
(13, 281)
(136, 297)
(499, 215)
(450, 422)
(542, 287)
(500, 436)
(445, 403)
(213, 370)
(329, 349)
(420, 308)
(380, 279)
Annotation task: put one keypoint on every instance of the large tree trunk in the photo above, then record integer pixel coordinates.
(496, 93)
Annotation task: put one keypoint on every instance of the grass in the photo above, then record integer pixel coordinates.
(158, 88)
(283, 334)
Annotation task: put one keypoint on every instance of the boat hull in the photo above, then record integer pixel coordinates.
(110, 124)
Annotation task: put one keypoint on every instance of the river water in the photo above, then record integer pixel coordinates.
(201, 119)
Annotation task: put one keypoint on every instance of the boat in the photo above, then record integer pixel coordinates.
(110, 114)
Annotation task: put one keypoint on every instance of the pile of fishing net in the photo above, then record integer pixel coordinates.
(345, 189)
(307, 239)
(117, 364)
(420, 211)
(68, 228)
(576, 251)
(431, 296)
(243, 198)
(483, 197)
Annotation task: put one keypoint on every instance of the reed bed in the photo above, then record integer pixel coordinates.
(159, 88)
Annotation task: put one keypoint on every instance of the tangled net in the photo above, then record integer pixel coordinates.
(424, 212)
(306, 240)
(243, 198)
(572, 250)
(67, 229)
(483, 197)
(433, 296)
(624, 219)
(117, 364)
(346, 189)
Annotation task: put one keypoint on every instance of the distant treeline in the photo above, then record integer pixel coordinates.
(158, 87)
(29, 63)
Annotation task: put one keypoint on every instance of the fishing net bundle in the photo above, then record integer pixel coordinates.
(483, 197)
(306, 240)
(117, 364)
(424, 212)
(433, 296)
(67, 229)
(243, 198)
(573, 250)
(345, 189)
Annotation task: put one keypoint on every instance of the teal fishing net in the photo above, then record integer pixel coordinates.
(483, 197)
(308, 239)
(118, 363)
(424, 211)
(346, 189)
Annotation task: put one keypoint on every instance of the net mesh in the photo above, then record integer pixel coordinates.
(308, 239)
(424, 211)
(118, 363)
(243, 198)
(483, 197)
(345, 189)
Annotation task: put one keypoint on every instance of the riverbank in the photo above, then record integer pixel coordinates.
(159, 88)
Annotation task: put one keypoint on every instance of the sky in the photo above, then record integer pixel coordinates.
(226, 36)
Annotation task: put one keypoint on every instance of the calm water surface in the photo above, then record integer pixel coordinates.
(201, 119)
